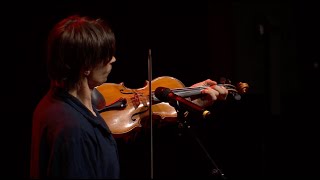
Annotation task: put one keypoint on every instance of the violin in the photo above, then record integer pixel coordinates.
(129, 107)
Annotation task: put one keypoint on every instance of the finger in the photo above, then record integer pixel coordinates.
(211, 92)
(209, 82)
(221, 89)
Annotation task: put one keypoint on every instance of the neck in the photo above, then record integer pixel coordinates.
(83, 93)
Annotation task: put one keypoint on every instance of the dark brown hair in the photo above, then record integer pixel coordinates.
(76, 44)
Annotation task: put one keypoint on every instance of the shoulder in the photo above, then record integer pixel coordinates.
(58, 117)
(55, 110)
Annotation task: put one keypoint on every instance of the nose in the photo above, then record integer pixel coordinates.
(113, 59)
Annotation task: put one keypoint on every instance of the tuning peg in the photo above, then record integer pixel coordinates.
(224, 80)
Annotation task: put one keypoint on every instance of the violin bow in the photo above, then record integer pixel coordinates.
(150, 110)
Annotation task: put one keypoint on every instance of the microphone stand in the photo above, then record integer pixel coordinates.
(184, 124)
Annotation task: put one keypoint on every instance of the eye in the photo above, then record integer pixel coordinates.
(106, 62)
(111, 60)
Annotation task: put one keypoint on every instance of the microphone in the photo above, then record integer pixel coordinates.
(166, 95)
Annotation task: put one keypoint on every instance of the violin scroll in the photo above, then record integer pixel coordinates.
(235, 91)
(242, 88)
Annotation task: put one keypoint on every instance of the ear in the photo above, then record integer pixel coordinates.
(86, 73)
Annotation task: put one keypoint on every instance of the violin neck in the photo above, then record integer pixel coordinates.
(188, 92)
(184, 92)
(195, 92)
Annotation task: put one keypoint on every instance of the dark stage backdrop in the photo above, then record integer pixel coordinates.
(271, 46)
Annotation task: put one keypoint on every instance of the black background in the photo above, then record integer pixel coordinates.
(271, 132)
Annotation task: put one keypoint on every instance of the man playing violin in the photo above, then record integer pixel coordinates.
(70, 139)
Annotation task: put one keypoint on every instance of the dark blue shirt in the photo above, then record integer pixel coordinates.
(68, 141)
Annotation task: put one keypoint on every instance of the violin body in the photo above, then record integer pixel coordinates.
(136, 111)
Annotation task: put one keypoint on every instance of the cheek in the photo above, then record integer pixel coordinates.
(102, 71)
(108, 69)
